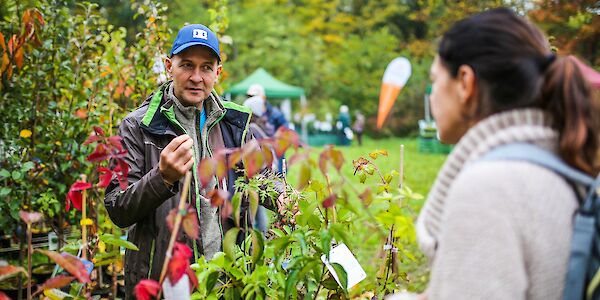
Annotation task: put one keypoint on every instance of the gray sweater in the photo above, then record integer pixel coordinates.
(189, 118)
(498, 229)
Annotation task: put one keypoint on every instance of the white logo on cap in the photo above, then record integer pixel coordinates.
(200, 34)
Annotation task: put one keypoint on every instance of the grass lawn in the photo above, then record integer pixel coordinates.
(420, 169)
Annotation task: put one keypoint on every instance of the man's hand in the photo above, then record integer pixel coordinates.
(176, 159)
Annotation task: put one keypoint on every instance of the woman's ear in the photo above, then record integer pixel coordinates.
(467, 90)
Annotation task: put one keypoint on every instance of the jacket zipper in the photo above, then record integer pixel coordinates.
(170, 117)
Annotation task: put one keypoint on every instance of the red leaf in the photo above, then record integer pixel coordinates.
(284, 138)
(122, 170)
(80, 186)
(190, 224)
(81, 114)
(329, 201)
(206, 170)
(217, 197)
(280, 146)
(11, 43)
(105, 177)
(220, 166)
(298, 156)
(118, 154)
(10, 271)
(171, 218)
(234, 157)
(76, 198)
(366, 196)
(2, 42)
(91, 139)
(115, 141)
(193, 279)
(268, 156)
(3, 296)
(337, 158)
(99, 131)
(323, 157)
(56, 282)
(226, 210)
(100, 153)
(253, 158)
(30, 217)
(179, 262)
(70, 263)
(19, 58)
(146, 289)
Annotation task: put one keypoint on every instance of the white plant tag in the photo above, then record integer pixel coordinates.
(342, 255)
(179, 291)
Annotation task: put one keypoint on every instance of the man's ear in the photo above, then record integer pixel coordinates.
(168, 65)
(219, 69)
(467, 89)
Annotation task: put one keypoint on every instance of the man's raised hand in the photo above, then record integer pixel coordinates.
(176, 159)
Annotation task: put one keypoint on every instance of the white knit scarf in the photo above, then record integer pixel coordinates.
(523, 125)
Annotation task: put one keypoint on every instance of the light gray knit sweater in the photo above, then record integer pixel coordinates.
(498, 229)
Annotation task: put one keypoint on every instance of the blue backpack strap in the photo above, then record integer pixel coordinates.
(534, 154)
(584, 228)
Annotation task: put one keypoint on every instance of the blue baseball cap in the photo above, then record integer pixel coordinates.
(193, 35)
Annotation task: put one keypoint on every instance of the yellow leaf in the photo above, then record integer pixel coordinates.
(102, 247)
(58, 143)
(86, 222)
(45, 181)
(151, 19)
(25, 133)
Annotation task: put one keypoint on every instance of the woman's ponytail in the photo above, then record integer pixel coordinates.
(574, 107)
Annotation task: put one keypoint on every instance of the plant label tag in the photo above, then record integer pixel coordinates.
(342, 255)
(180, 291)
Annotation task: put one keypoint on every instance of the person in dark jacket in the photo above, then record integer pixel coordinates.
(183, 122)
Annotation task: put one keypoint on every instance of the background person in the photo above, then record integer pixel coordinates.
(358, 126)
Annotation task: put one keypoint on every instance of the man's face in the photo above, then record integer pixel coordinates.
(194, 71)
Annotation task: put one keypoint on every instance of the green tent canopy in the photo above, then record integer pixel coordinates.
(273, 87)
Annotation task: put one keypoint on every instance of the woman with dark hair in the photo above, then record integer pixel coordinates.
(501, 229)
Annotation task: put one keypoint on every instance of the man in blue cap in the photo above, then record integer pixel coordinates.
(178, 125)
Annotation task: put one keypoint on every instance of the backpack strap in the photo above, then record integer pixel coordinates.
(534, 154)
(581, 257)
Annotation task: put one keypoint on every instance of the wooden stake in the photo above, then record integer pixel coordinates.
(176, 225)
(401, 179)
(83, 223)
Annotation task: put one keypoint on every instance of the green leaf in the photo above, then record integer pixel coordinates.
(342, 276)
(229, 242)
(325, 241)
(235, 203)
(388, 178)
(27, 166)
(4, 191)
(4, 173)
(211, 281)
(305, 174)
(258, 246)
(362, 177)
(16, 175)
(330, 283)
(253, 200)
(290, 284)
(112, 240)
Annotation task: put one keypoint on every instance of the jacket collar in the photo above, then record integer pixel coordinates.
(156, 119)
